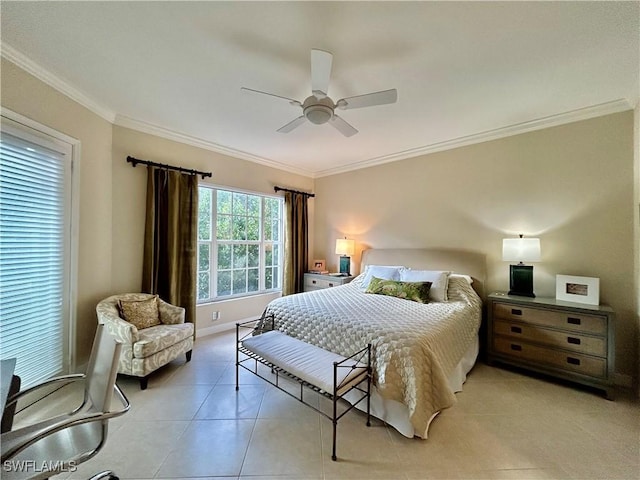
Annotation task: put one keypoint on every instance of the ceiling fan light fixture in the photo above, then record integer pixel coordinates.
(318, 108)
(318, 114)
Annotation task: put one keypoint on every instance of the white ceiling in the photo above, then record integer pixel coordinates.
(464, 72)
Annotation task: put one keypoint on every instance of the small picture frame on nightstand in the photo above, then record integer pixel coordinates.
(318, 267)
(578, 289)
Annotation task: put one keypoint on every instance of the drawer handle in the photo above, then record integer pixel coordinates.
(331, 284)
(313, 281)
(575, 341)
(573, 361)
(517, 348)
(574, 321)
(515, 329)
(516, 311)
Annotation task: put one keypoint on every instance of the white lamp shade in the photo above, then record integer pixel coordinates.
(345, 247)
(521, 250)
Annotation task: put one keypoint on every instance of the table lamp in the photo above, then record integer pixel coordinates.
(345, 248)
(521, 276)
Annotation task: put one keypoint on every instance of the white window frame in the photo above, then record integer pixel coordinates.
(213, 249)
(23, 127)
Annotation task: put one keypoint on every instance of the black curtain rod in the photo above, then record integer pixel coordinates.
(277, 189)
(134, 161)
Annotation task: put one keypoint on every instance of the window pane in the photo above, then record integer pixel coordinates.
(268, 278)
(254, 206)
(239, 281)
(253, 228)
(268, 255)
(239, 228)
(275, 230)
(254, 283)
(224, 283)
(224, 257)
(224, 202)
(204, 213)
(253, 257)
(274, 206)
(268, 232)
(223, 225)
(203, 285)
(276, 277)
(239, 256)
(203, 257)
(276, 255)
(239, 204)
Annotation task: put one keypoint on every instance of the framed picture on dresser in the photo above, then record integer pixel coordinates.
(578, 289)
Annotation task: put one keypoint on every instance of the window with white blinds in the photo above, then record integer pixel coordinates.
(35, 260)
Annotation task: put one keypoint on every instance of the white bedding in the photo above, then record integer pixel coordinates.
(416, 348)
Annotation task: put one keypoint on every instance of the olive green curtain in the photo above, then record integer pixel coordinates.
(171, 238)
(296, 249)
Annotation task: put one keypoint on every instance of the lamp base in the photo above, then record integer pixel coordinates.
(345, 264)
(521, 280)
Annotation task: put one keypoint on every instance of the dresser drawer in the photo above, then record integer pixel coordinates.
(573, 321)
(553, 338)
(573, 362)
(312, 283)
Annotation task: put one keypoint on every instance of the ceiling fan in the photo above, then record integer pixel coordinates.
(318, 108)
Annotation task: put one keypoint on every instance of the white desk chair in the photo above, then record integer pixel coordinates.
(57, 444)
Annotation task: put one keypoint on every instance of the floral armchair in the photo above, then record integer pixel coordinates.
(149, 341)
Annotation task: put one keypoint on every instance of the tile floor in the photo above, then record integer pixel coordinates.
(191, 423)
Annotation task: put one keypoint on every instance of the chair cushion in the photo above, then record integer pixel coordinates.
(141, 313)
(154, 339)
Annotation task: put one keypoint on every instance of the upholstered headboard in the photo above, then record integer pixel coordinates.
(457, 261)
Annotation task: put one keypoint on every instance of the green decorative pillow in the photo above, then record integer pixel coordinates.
(140, 313)
(414, 291)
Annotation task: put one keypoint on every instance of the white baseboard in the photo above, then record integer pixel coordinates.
(222, 327)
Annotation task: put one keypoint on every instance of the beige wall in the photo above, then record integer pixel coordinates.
(572, 186)
(129, 186)
(31, 98)
(636, 221)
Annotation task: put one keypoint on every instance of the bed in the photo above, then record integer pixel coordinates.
(421, 353)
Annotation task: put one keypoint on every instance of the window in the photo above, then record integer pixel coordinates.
(239, 243)
(35, 250)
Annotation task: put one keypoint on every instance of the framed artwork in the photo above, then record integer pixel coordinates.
(318, 266)
(578, 289)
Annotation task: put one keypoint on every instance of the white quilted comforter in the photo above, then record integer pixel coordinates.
(414, 346)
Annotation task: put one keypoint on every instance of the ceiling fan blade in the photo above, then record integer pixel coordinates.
(293, 102)
(342, 126)
(292, 124)
(368, 100)
(320, 72)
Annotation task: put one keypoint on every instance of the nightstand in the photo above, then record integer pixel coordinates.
(567, 340)
(316, 281)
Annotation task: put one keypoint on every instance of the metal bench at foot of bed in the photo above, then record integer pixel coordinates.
(319, 370)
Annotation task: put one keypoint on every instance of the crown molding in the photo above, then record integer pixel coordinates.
(607, 108)
(31, 67)
(144, 127)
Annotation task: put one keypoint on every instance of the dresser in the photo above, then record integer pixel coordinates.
(567, 340)
(316, 281)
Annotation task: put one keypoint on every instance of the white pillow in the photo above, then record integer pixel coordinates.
(384, 272)
(439, 281)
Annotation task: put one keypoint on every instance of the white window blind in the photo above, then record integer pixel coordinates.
(35, 179)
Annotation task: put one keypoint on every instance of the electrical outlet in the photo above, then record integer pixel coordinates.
(215, 316)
